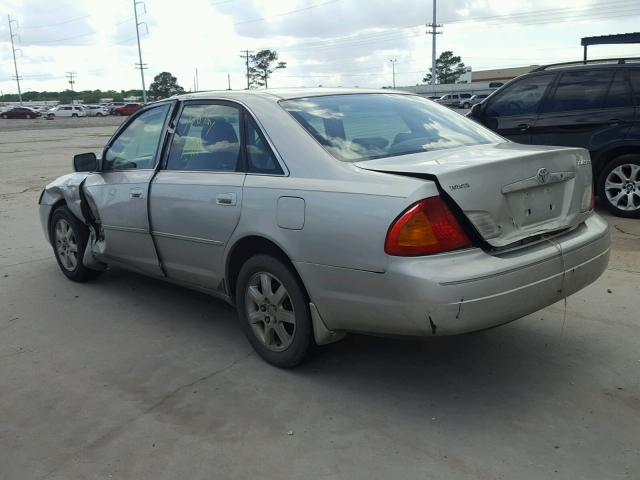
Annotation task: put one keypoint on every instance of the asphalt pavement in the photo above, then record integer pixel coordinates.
(131, 378)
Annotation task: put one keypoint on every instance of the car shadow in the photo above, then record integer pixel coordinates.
(515, 370)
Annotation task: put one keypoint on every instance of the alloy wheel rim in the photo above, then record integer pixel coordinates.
(270, 311)
(622, 187)
(66, 245)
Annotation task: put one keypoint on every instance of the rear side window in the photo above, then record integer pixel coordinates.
(260, 159)
(619, 94)
(520, 98)
(634, 76)
(580, 90)
(207, 137)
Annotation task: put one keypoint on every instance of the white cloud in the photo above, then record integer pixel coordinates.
(328, 42)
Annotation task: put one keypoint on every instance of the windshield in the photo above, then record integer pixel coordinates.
(366, 126)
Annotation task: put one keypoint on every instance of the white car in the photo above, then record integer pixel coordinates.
(96, 110)
(67, 111)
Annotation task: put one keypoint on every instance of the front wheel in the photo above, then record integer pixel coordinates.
(4, 116)
(69, 239)
(466, 105)
(619, 186)
(274, 311)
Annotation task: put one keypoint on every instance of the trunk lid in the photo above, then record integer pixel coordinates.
(508, 191)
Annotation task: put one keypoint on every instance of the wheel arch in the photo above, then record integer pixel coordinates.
(603, 158)
(246, 247)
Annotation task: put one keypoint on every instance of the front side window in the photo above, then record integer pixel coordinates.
(521, 97)
(207, 137)
(137, 145)
(366, 126)
(580, 90)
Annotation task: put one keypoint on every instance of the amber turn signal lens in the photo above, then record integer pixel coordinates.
(425, 228)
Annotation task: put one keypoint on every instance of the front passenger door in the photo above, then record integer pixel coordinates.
(119, 191)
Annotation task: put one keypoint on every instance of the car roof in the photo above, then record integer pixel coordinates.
(277, 94)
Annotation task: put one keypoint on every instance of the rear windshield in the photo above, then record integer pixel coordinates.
(367, 126)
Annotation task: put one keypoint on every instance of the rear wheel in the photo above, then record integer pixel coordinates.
(619, 186)
(4, 116)
(29, 116)
(466, 105)
(98, 114)
(274, 311)
(69, 239)
(74, 115)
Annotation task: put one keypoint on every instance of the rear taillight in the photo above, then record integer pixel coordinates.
(425, 228)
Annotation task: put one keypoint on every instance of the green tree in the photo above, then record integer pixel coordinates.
(449, 68)
(261, 65)
(164, 85)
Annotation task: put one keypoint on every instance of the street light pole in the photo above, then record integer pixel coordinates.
(393, 69)
(13, 51)
(141, 65)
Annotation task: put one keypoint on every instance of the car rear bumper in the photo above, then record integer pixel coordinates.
(458, 292)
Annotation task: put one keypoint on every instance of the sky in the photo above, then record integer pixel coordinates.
(324, 42)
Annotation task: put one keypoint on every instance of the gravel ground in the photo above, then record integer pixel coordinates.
(132, 378)
(12, 125)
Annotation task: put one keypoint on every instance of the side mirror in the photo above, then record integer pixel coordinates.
(85, 162)
(475, 111)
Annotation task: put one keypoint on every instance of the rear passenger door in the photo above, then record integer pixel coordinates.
(587, 108)
(513, 111)
(195, 198)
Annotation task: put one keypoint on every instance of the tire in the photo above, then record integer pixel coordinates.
(98, 114)
(118, 114)
(279, 326)
(67, 232)
(466, 105)
(4, 116)
(624, 172)
(74, 115)
(29, 117)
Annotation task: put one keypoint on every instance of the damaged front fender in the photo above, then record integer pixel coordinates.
(67, 189)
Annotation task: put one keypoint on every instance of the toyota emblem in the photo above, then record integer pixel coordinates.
(542, 175)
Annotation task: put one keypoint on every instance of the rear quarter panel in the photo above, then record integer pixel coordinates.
(345, 220)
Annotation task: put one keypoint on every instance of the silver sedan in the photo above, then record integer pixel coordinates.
(325, 211)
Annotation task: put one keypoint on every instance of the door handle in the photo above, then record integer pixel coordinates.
(226, 199)
(523, 127)
(135, 193)
(615, 121)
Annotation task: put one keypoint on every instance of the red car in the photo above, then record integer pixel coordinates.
(20, 112)
(128, 109)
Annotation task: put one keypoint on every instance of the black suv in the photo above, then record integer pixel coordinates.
(594, 105)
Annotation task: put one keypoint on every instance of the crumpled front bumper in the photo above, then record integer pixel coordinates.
(458, 292)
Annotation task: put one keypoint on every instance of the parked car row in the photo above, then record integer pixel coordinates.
(459, 100)
(93, 110)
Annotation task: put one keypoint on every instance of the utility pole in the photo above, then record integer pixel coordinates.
(433, 32)
(197, 82)
(141, 66)
(70, 78)
(229, 81)
(393, 67)
(245, 55)
(13, 51)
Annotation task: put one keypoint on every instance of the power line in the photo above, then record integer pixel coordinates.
(283, 14)
(63, 22)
